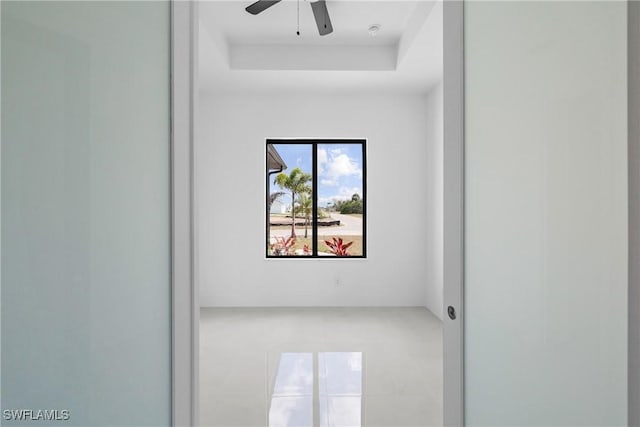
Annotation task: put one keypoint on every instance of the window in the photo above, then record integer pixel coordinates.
(316, 198)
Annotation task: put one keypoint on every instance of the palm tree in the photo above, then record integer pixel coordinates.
(296, 183)
(305, 206)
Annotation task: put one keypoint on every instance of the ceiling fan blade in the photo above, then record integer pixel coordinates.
(260, 6)
(321, 14)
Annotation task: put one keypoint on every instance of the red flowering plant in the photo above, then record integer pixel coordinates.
(282, 246)
(338, 247)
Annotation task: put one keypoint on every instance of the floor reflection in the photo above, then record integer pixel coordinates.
(292, 398)
(321, 389)
(250, 358)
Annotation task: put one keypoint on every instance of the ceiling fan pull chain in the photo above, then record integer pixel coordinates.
(324, 19)
(298, 31)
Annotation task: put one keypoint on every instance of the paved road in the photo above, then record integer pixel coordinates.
(349, 226)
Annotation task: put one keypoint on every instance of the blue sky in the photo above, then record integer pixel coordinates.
(339, 169)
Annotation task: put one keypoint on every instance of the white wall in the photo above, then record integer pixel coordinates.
(634, 212)
(233, 270)
(435, 200)
(546, 213)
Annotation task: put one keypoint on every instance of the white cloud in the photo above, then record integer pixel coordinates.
(344, 193)
(324, 201)
(322, 156)
(334, 165)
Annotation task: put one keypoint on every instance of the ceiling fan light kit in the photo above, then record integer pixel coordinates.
(319, 8)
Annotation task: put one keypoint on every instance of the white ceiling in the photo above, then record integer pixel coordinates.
(244, 53)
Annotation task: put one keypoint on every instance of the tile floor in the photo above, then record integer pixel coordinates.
(246, 354)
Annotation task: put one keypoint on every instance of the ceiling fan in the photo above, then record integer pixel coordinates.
(319, 7)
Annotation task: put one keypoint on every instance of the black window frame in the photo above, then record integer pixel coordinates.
(314, 194)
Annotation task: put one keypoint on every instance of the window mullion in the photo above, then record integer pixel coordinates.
(314, 196)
